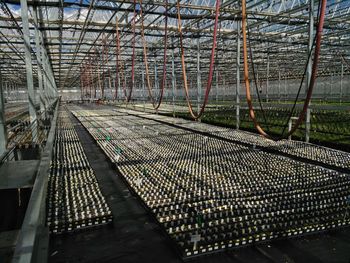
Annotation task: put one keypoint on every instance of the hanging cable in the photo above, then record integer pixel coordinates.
(313, 74)
(303, 77)
(155, 103)
(212, 61)
(255, 78)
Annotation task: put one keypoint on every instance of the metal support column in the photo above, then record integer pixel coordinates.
(38, 57)
(173, 76)
(331, 87)
(124, 82)
(29, 69)
(3, 131)
(8, 91)
(199, 84)
(8, 87)
(224, 86)
(237, 76)
(156, 83)
(46, 83)
(341, 81)
(4, 88)
(14, 91)
(119, 90)
(257, 81)
(267, 76)
(309, 68)
(279, 86)
(51, 78)
(143, 90)
(285, 87)
(17, 92)
(217, 86)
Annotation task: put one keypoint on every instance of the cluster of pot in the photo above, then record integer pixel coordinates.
(210, 194)
(74, 200)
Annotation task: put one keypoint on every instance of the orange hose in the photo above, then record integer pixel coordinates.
(312, 80)
(211, 67)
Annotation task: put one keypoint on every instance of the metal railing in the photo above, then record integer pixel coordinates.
(33, 228)
(29, 135)
(9, 155)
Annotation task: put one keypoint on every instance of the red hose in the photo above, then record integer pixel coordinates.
(155, 104)
(211, 67)
(313, 74)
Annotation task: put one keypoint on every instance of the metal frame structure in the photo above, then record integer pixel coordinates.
(50, 46)
(70, 31)
(53, 43)
(66, 45)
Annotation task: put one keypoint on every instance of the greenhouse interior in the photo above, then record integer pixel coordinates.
(174, 131)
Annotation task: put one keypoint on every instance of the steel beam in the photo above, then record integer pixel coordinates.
(143, 90)
(217, 86)
(238, 82)
(199, 84)
(279, 85)
(309, 68)
(29, 69)
(267, 76)
(3, 131)
(38, 56)
(341, 81)
(173, 77)
(156, 84)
